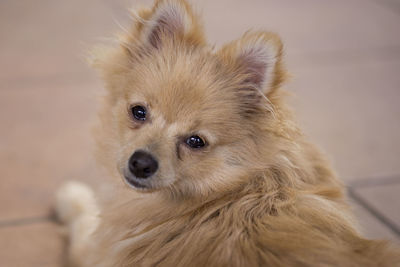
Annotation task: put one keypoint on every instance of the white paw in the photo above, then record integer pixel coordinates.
(74, 199)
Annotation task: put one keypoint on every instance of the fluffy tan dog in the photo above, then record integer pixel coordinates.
(218, 172)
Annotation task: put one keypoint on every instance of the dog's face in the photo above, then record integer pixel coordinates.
(180, 117)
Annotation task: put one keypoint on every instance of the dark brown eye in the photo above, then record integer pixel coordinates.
(139, 113)
(195, 141)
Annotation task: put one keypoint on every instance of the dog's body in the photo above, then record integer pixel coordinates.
(223, 176)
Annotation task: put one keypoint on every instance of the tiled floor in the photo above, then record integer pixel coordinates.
(344, 57)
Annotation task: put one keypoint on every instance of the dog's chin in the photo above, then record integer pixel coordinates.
(136, 184)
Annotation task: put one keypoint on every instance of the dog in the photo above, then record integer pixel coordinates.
(216, 171)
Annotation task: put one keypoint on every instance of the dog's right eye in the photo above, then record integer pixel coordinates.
(139, 113)
(195, 141)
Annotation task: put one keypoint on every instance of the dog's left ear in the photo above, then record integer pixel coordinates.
(256, 58)
(170, 20)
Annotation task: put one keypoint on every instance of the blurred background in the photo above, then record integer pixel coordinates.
(344, 57)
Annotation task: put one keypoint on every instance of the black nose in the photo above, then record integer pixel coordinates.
(142, 164)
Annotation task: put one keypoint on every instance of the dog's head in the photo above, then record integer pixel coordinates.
(180, 117)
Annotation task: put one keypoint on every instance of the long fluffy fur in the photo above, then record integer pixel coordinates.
(259, 195)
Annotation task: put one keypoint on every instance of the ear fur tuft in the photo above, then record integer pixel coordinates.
(170, 19)
(258, 57)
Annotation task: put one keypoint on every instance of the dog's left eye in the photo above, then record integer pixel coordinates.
(195, 141)
(139, 113)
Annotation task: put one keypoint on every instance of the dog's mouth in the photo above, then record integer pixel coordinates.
(134, 182)
(142, 184)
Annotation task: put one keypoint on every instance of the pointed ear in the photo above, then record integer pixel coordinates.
(257, 57)
(170, 19)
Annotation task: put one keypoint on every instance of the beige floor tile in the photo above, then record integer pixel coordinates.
(352, 112)
(370, 226)
(51, 38)
(35, 245)
(384, 198)
(45, 140)
(306, 26)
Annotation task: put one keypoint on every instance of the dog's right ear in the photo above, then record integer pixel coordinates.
(169, 20)
(258, 58)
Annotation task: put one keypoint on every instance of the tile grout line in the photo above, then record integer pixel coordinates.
(45, 79)
(376, 181)
(373, 211)
(25, 221)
